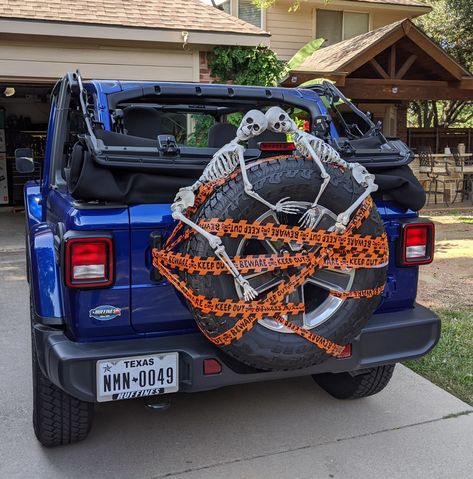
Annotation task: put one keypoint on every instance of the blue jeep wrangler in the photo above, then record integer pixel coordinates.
(106, 325)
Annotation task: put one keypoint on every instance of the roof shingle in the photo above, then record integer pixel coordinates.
(161, 14)
(334, 57)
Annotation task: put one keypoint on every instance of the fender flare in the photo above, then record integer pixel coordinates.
(45, 277)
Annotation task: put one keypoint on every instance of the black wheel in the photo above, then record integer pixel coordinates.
(346, 386)
(269, 345)
(58, 418)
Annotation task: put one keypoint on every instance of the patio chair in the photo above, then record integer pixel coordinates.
(427, 163)
(464, 185)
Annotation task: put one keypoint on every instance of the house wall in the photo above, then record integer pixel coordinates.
(289, 31)
(292, 30)
(380, 18)
(39, 59)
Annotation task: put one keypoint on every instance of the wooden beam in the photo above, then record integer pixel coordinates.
(393, 82)
(436, 53)
(375, 49)
(362, 89)
(379, 68)
(405, 67)
(392, 62)
(302, 77)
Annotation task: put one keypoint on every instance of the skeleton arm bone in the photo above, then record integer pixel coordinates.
(344, 218)
(215, 243)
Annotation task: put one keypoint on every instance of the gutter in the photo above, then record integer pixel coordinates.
(414, 10)
(106, 32)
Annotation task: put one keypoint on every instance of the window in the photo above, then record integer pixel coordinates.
(336, 26)
(243, 9)
(225, 5)
(249, 13)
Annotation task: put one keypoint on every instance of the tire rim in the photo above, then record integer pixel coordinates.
(314, 292)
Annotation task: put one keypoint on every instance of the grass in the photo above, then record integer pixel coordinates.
(450, 363)
(466, 219)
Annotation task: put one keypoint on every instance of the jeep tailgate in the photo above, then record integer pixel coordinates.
(155, 304)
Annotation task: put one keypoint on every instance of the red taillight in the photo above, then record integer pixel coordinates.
(212, 366)
(417, 243)
(277, 146)
(89, 262)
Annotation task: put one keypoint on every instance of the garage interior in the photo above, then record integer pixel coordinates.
(24, 112)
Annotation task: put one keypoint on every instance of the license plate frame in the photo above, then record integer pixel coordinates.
(131, 377)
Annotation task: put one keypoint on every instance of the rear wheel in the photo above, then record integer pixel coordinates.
(58, 418)
(270, 345)
(346, 386)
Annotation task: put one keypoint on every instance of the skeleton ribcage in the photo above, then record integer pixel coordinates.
(323, 150)
(219, 167)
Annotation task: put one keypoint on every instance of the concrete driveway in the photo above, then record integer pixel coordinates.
(289, 429)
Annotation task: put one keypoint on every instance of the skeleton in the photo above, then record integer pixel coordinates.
(231, 155)
(224, 162)
(321, 152)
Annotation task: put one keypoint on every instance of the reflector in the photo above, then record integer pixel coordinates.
(346, 353)
(212, 366)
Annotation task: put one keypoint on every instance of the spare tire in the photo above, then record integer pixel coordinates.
(269, 345)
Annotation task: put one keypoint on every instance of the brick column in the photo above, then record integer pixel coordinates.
(401, 122)
(204, 73)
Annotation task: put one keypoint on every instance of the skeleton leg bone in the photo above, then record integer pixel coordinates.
(282, 206)
(310, 218)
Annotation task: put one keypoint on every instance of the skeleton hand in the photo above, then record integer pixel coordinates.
(249, 293)
(184, 199)
(341, 225)
(310, 218)
(361, 174)
(289, 207)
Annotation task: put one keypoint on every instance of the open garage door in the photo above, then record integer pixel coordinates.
(24, 113)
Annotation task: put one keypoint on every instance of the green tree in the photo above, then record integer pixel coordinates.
(246, 65)
(269, 3)
(450, 25)
(464, 11)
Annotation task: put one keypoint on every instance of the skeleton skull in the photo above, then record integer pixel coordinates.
(279, 121)
(252, 124)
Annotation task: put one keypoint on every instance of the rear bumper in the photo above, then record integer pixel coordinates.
(387, 338)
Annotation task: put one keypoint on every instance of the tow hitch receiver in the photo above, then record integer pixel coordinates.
(159, 404)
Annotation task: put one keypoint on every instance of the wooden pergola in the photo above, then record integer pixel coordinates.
(394, 63)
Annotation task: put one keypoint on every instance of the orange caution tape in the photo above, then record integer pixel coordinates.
(325, 250)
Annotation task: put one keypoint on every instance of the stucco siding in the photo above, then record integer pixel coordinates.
(379, 19)
(289, 31)
(49, 60)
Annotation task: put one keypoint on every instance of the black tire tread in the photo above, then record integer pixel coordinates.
(58, 418)
(346, 386)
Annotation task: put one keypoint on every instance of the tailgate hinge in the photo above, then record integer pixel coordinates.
(155, 241)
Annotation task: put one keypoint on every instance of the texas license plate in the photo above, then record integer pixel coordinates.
(137, 376)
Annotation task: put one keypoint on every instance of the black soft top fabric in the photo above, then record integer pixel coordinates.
(401, 185)
(89, 181)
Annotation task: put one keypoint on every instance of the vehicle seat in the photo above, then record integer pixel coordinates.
(142, 121)
(220, 134)
(268, 136)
